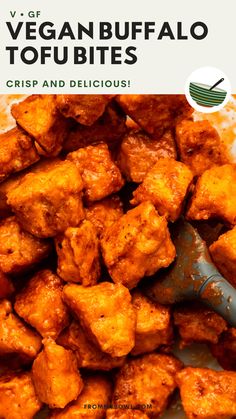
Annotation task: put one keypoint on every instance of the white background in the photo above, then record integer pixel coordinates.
(162, 67)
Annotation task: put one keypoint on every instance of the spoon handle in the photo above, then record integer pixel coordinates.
(220, 295)
(216, 84)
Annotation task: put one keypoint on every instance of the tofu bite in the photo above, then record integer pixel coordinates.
(40, 304)
(110, 127)
(166, 185)
(38, 115)
(155, 113)
(15, 337)
(223, 252)
(17, 151)
(18, 399)
(96, 392)
(19, 250)
(196, 323)
(101, 177)
(147, 380)
(103, 214)
(137, 245)
(85, 109)
(5, 187)
(225, 349)
(153, 327)
(6, 286)
(207, 394)
(106, 314)
(14, 180)
(138, 152)
(125, 414)
(55, 375)
(214, 195)
(78, 254)
(88, 355)
(49, 201)
(200, 146)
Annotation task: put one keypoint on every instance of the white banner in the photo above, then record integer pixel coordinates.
(125, 46)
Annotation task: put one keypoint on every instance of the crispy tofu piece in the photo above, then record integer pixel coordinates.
(196, 323)
(78, 254)
(19, 250)
(106, 314)
(40, 304)
(5, 187)
(125, 414)
(200, 146)
(225, 349)
(147, 380)
(153, 327)
(137, 245)
(207, 394)
(18, 399)
(49, 201)
(38, 115)
(6, 286)
(223, 252)
(97, 391)
(166, 185)
(55, 375)
(138, 152)
(109, 128)
(85, 109)
(15, 337)
(17, 151)
(155, 113)
(104, 213)
(88, 354)
(214, 195)
(14, 180)
(101, 177)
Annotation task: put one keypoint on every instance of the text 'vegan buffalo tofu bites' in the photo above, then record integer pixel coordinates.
(91, 187)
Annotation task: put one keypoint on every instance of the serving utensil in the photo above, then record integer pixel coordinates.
(193, 275)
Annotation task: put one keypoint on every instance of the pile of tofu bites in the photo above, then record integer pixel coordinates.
(89, 187)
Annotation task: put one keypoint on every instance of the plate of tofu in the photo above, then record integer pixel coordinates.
(89, 187)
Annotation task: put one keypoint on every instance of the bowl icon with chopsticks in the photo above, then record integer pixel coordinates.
(206, 95)
(207, 89)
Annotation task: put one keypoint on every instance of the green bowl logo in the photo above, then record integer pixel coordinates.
(207, 89)
(204, 96)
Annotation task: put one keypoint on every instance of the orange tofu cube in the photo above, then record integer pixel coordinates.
(214, 195)
(138, 152)
(207, 394)
(40, 304)
(137, 245)
(153, 327)
(96, 392)
(48, 201)
(101, 177)
(106, 313)
(155, 113)
(200, 146)
(88, 355)
(17, 151)
(147, 380)
(166, 185)
(85, 109)
(78, 254)
(38, 115)
(55, 375)
(18, 399)
(197, 323)
(109, 128)
(223, 252)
